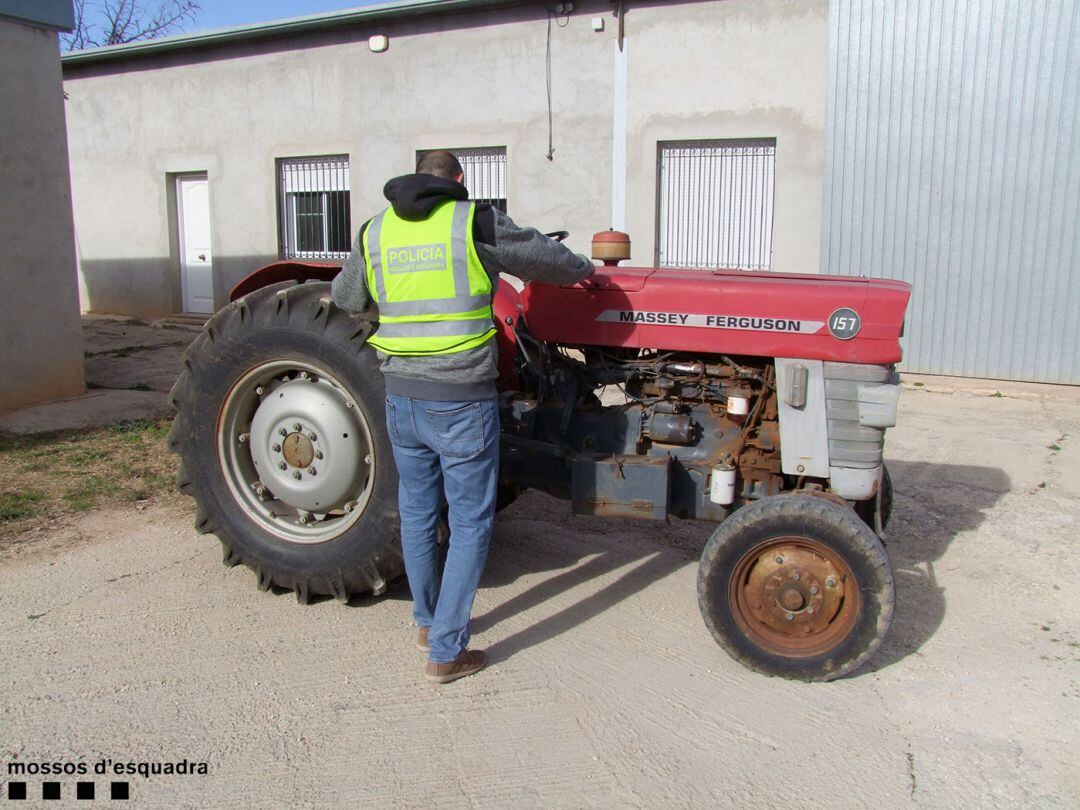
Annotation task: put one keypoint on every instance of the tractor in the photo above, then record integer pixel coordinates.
(755, 400)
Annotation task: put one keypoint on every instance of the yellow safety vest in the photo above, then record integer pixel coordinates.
(433, 293)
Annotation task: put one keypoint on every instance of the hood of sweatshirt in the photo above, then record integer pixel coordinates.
(414, 196)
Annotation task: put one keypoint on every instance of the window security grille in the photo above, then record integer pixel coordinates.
(715, 206)
(485, 173)
(314, 220)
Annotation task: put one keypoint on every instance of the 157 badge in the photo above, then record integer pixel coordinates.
(844, 323)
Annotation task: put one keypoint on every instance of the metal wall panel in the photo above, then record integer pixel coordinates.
(953, 162)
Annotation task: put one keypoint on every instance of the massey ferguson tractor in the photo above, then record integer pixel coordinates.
(754, 400)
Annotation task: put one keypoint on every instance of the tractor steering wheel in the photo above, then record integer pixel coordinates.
(558, 236)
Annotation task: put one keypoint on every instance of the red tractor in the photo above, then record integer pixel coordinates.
(758, 401)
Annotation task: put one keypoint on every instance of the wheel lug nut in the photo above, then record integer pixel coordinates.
(303, 375)
(277, 448)
(808, 629)
(303, 517)
(282, 432)
(313, 437)
(312, 471)
(348, 403)
(367, 459)
(318, 454)
(297, 475)
(789, 616)
(830, 582)
(259, 390)
(297, 427)
(809, 608)
(282, 465)
(242, 438)
(795, 576)
(779, 560)
(813, 589)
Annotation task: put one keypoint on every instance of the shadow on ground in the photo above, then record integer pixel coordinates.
(933, 504)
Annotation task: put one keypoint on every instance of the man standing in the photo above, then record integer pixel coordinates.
(431, 261)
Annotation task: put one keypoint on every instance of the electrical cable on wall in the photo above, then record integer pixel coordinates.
(547, 69)
(560, 8)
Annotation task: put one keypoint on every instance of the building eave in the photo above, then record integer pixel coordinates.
(276, 29)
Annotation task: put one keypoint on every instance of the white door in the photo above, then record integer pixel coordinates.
(196, 258)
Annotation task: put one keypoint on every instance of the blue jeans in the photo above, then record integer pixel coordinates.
(450, 447)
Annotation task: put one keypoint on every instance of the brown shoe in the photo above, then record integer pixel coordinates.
(421, 640)
(467, 663)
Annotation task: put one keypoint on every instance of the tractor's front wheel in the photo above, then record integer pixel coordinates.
(281, 431)
(796, 586)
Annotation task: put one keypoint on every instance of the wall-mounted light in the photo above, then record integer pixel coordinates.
(378, 43)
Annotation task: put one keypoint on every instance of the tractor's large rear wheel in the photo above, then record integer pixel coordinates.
(796, 586)
(281, 431)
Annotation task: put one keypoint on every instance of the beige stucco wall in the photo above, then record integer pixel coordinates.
(40, 342)
(696, 70)
(733, 69)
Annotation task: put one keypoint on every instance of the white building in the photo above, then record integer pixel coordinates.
(926, 141)
(196, 159)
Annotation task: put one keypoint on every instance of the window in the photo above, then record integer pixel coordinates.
(715, 206)
(485, 173)
(313, 195)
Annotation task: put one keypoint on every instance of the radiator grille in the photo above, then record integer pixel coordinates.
(852, 444)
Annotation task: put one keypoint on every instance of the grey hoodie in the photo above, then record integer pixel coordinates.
(502, 246)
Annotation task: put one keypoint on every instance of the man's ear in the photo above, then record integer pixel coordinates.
(459, 178)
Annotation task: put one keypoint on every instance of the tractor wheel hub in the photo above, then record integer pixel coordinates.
(320, 463)
(298, 450)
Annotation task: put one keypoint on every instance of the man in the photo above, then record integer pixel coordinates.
(431, 261)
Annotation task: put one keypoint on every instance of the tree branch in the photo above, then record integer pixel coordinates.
(124, 21)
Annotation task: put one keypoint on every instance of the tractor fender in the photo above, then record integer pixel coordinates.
(286, 270)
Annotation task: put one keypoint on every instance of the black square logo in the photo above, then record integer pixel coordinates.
(119, 790)
(16, 790)
(50, 791)
(84, 790)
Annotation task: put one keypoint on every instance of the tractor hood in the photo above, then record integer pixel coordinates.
(837, 318)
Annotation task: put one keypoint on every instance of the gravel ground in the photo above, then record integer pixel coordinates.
(124, 638)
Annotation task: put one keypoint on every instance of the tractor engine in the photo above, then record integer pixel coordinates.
(642, 433)
(652, 393)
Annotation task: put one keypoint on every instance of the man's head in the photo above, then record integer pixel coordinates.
(440, 163)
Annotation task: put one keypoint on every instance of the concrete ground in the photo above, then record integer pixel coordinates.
(124, 638)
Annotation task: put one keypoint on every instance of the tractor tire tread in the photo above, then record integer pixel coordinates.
(817, 513)
(284, 304)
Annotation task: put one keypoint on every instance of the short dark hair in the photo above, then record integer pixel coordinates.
(440, 163)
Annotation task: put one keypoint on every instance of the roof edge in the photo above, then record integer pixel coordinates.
(313, 23)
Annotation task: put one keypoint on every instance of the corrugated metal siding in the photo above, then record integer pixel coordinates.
(953, 162)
